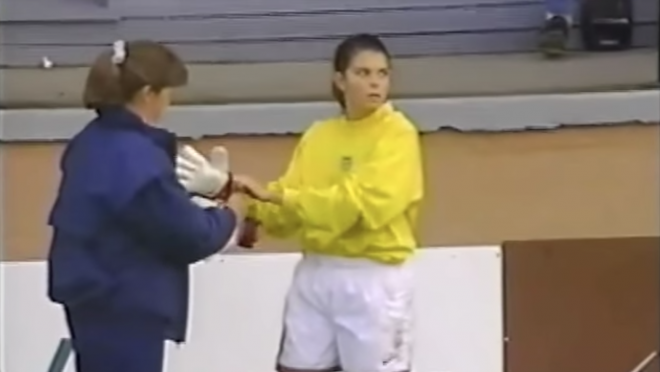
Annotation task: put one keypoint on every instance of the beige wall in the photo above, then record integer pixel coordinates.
(481, 188)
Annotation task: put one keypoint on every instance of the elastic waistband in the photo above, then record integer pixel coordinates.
(347, 262)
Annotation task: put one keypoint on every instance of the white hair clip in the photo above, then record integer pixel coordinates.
(118, 52)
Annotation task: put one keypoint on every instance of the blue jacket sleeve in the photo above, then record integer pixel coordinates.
(163, 217)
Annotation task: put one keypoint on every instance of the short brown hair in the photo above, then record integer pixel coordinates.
(145, 63)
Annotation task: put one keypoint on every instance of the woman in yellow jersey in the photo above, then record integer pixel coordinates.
(350, 196)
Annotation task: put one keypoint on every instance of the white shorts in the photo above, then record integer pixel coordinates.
(349, 315)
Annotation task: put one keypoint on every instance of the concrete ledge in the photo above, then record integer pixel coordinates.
(466, 114)
(415, 78)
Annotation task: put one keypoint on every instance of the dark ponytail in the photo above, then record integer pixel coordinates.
(345, 52)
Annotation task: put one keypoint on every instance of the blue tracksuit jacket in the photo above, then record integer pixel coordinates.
(124, 229)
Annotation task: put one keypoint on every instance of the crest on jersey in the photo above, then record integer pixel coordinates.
(346, 163)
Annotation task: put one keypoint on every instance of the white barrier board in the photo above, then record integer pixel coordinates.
(237, 308)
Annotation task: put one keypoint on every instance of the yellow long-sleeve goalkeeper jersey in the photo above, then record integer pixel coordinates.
(352, 189)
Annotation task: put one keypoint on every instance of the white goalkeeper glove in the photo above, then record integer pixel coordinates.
(198, 175)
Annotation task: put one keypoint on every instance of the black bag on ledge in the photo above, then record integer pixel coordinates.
(606, 24)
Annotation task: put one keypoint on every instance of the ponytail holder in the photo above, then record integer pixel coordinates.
(118, 52)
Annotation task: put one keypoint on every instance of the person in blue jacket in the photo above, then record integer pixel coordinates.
(124, 228)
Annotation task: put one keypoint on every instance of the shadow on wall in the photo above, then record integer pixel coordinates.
(582, 305)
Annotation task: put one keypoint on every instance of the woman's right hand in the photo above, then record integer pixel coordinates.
(253, 188)
(249, 233)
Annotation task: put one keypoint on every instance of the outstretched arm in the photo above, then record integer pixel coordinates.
(274, 219)
(163, 216)
(372, 195)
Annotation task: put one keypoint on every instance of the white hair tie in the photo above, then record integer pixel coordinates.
(118, 52)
